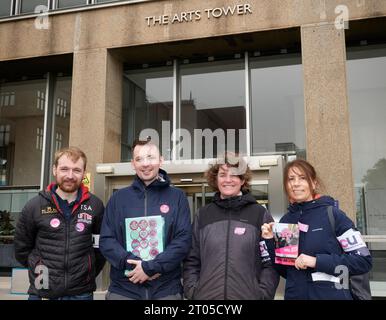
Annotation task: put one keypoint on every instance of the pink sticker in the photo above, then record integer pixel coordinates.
(134, 244)
(55, 223)
(153, 224)
(164, 208)
(144, 244)
(153, 233)
(153, 252)
(143, 224)
(239, 231)
(153, 243)
(133, 225)
(303, 227)
(79, 227)
(143, 234)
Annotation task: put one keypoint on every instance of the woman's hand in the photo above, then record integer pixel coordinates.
(266, 230)
(304, 261)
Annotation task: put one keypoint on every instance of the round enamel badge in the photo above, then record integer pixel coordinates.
(54, 223)
(164, 208)
(79, 227)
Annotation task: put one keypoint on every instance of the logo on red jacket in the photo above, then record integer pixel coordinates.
(164, 208)
(79, 227)
(54, 223)
(85, 217)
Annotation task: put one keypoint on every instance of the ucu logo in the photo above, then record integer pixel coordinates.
(350, 241)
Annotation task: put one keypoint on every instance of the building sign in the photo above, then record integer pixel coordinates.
(197, 15)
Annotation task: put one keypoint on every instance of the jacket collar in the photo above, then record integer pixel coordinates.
(161, 181)
(236, 202)
(320, 201)
(49, 195)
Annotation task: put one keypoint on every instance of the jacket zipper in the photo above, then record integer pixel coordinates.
(226, 258)
(145, 202)
(66, 251)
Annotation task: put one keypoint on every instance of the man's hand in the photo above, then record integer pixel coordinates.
(137, 274)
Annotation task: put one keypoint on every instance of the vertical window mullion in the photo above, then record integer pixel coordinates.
(176, 107)
(248, 103)
(49, 118)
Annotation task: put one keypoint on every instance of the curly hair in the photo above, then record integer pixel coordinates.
(231, 160)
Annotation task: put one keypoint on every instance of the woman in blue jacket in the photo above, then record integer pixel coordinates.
(324, 254)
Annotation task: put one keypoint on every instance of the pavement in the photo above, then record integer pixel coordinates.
(5, 291)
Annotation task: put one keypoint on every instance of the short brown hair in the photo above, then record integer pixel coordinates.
(231, 160)
(138, 142)
(308, 170)
(74, 153)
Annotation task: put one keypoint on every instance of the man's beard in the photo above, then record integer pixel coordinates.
(69, 188)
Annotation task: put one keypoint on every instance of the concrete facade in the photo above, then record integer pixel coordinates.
(92, 36)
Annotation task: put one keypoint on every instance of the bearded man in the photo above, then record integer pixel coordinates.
(57, 235)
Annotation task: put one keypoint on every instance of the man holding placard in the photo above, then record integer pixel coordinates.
(146, 232)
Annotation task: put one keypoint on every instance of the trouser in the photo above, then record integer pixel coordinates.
(115, 296)
(83, 296)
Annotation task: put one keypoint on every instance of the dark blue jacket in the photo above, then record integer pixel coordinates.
(137, 201)
(320, 241)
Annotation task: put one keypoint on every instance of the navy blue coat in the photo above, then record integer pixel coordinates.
(320, 241)
(137, 201)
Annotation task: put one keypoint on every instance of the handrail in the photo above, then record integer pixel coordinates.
(374, 238)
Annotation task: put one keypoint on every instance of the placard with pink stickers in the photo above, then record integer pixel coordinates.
(145, 236)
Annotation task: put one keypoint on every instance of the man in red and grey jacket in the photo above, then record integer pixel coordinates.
(57, 234)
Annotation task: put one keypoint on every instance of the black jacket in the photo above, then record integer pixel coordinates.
(46, 241)
(228, 259)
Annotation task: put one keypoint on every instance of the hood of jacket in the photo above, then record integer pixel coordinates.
(323, 201)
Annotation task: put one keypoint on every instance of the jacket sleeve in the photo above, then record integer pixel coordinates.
(280, 269)
(25, 234)
(192, 263)
(111, 240)
(354, 252)
(96, 229)
(177, 249)
(269, 278)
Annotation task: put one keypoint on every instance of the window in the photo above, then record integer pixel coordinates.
(213, 107)
(39, 139)
(366, 76)
(147, 102)
(70, 3)
(210, 106)
(4, 135)
(40, 100)
(58, 141)
(277, 115)
(7, 99)
(5, 8)
(30, 6)
(22, 156)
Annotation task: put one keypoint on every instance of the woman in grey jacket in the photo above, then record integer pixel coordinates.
(228, 259)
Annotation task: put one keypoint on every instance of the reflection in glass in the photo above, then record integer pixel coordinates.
(71, 3)
(101, 1)
(147, 101)
(29, 6)
(277, 115)
(213, 103)
(21, 132)
(5, 8)
(366, 75)
(62, 111)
